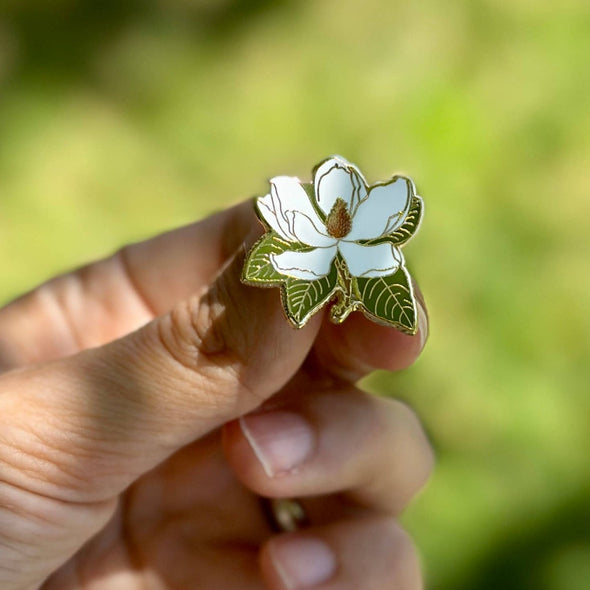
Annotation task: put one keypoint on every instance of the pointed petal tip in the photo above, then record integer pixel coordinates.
(330, 162)
(284, 180)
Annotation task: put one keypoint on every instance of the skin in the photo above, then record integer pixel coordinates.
(123, 462)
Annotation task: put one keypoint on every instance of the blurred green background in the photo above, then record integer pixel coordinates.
(120, 119)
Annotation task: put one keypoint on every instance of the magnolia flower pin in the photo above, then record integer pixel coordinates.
(338, 240)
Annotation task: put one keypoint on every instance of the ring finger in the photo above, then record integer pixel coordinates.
(371, 553)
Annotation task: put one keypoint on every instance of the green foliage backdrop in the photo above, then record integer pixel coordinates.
(122, 119)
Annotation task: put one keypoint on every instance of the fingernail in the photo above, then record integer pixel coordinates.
(281, 441)
(422, 324)
(303, 562)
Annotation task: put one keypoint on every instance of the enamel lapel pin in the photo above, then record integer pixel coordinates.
(338, 240)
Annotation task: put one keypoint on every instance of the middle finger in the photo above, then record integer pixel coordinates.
(324, 442)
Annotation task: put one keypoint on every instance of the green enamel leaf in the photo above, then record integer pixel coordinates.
(390, 299)
(303, 298)
(258, 269)
(409, 227)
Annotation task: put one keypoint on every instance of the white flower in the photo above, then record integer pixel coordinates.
(345, 215)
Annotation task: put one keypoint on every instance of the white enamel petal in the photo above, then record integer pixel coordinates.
(276, 222)
(311, 265)
(371, 261)
(307, 232)
(384, 210)
(289, 195)
(338, 179)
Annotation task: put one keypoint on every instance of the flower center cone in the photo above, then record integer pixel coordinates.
(339, 222)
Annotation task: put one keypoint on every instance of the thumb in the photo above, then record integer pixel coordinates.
(109, 414)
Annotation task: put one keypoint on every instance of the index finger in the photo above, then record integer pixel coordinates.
(109, 298)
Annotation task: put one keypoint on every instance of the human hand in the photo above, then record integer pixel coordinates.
(125, 457)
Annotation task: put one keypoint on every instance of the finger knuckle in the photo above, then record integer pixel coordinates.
(192, 331)
(198, 332)
(418, 455)
(207, 340)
